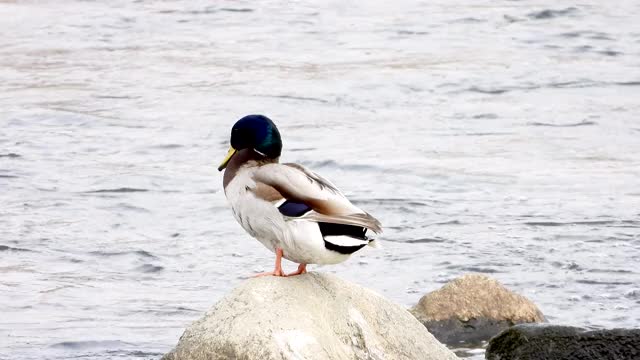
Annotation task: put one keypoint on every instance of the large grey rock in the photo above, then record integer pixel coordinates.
(553, 342)
(311, 316)
(473, 308)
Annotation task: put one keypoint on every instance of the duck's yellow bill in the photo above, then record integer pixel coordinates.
(224, 163)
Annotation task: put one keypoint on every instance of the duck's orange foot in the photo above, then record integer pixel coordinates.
(302, 269)
(278, 268)
(277, 272)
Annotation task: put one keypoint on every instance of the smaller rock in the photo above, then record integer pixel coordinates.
(554, 342)
(473, 308)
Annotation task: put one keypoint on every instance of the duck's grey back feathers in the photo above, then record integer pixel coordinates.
(295, 182)
(364, 219)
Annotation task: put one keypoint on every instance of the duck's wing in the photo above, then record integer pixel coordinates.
(310, 196)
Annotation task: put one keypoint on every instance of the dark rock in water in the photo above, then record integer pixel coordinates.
(472, 309)
(312, 317)
(553, 342)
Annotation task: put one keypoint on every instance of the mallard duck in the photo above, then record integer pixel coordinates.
(294, 212)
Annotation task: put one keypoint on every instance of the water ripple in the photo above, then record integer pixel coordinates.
(9, 248)
(425, 240)
(582, 123)
(615, 223)
(91, 344)
(150, 268)
(551, 14)
(10, 155)
(116, 190)
(141, 253)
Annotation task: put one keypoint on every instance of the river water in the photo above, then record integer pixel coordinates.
(499, 137)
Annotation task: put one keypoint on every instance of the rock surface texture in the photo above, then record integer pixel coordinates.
(311, 316)
(473, 308)
(553, 342)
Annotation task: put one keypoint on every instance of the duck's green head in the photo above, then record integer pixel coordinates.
(256, 132)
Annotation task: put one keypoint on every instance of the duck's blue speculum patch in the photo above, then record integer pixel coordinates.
(293, 209)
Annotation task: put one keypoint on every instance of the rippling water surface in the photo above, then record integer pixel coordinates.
(500, 137)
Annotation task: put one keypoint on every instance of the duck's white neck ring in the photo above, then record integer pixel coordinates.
(265, 155)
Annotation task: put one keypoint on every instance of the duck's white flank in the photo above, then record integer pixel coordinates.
(300, 238)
